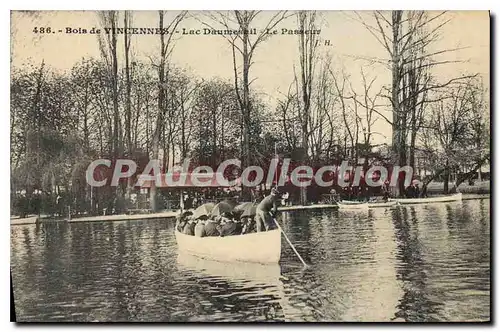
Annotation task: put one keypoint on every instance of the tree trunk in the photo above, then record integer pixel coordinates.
(412, 148)
(214, 138)
(155, 146)
(128, 102)
(114, 87)
(246, 159)
(398, 156)
(307, 47)
(446, 177)
(183, 133)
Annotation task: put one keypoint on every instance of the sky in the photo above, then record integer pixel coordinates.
(210, 56)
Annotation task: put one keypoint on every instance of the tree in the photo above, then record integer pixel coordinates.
(287, 115)
(127, 19)
(185, 97)
(450, 138)
(108, 47)
(480, 125)
(218, 123)
(307, 55)
(407, 37)
(243, 46)
(166, 48)
(349, 113)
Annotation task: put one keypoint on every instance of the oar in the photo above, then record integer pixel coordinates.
(290, 242)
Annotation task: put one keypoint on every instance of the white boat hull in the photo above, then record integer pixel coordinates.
(24, 221)
(262, 247)
(449, 198)
(382, 204)
(371, 205)
(353, 206)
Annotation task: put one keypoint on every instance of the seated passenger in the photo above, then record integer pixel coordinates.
(244, 224)
(248, 225)
(189, 228)
(178, 221)
(181, 225)
(211, 228)
(181, 220)
(230, 227)
(226, 215)
(199, 229)
(187, 214)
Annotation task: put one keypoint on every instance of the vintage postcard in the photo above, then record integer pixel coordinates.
(250, 166)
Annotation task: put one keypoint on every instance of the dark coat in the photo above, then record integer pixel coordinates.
(211, 229)
(189, 229)
(410, 192)
(231, 228)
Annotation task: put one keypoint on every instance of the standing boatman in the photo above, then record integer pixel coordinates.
(266, 211)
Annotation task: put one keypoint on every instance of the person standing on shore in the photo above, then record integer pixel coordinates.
(417, 190)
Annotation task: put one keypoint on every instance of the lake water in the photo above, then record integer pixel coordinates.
(412, 263)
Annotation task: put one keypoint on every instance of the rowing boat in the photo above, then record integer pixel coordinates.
(24, 221)
(307, 207)
(349, 205)
(435, 199)
(261, 247)
(371, 205)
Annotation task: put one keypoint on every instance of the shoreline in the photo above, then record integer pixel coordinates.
(173, 214)
(125, 217)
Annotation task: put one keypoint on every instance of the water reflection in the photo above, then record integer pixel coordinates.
(443, 251)
(246, 291)
(415, 304)
(412, 263)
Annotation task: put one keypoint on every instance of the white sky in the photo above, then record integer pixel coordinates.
(210, 56)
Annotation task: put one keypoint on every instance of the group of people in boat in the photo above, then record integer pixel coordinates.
(234, 222)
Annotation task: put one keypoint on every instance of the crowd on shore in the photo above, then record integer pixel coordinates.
(359, 193)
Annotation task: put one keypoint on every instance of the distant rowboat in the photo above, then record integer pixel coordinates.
(435, 199)
(350, 205)
(371, 205)
(24, 221)
(382, 204)
(261, 247)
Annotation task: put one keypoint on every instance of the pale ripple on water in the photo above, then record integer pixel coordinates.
(413, 263)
